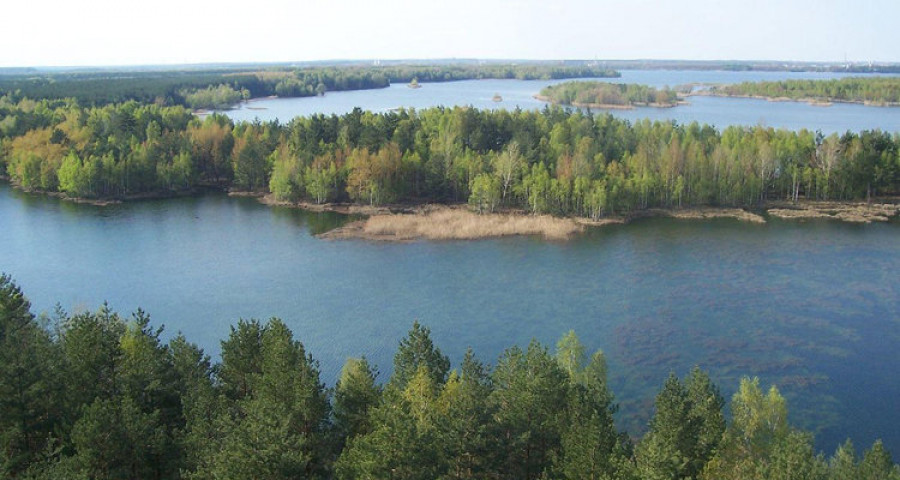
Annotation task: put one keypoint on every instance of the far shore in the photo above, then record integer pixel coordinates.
(815, 102)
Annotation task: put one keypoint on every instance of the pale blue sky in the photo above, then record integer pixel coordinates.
(128, 32)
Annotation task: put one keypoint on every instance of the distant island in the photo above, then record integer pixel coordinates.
(873, 91)
(603, 95)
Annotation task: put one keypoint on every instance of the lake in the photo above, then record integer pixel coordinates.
(717, 111)
(813, 307)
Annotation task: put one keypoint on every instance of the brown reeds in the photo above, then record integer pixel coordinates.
(458, 224)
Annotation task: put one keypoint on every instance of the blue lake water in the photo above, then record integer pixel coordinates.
(717, 111)
(813, 307)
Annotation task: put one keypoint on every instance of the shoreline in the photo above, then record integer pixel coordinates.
(435, 222)
(850, 212)
(811, 101)
(410, 222)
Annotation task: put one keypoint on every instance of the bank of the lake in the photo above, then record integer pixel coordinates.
(811, 101)
(406, 222)
(810, 306)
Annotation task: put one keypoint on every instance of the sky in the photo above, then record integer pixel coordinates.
(154, 32)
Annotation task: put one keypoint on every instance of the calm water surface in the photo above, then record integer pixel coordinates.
(720, 112)
(813, 307)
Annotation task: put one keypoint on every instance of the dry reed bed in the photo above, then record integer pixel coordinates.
(455, 224)
(705, 213)
(847, 212)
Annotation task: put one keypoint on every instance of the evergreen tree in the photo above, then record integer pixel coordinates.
(530, 390)
(843, 464)
(591, 448)
(29, 386)
(278, 426)
(417, 349)
(665, 451)
(877, 463)
(464, 423)
(355, 394)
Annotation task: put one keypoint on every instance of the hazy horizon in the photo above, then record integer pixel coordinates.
(168, 32)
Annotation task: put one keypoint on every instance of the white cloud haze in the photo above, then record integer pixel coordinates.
(116, 32)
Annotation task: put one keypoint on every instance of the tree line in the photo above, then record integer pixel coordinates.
(180, 87)
(583, 93)
(98, 395)
(554, 161)
(869, 90)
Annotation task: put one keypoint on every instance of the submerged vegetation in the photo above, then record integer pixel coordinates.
(97, 395)
(607, 95)
(554, 161)
(881, 91)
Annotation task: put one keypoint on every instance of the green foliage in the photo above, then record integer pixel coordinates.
(105, 398)
(870, 90)
(590, 94)
(417, 350)
(529, 388)
(760, 443)
(485, 194)
(214, 97)
(220, 88)
(275, 425)
(29, 382)
(355, 394)
(554, 161)
(685, 430)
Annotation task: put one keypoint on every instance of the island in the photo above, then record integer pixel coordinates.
(871, 91)
(555, 163)
(603, 95)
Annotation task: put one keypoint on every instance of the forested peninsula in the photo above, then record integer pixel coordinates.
(875, 91)
(221, 87)
(606, 95)
(555, 161)
(99, 395)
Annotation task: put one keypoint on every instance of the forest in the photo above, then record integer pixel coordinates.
(102, 396)
(869, 90)
(558, 161)
(584, 93)
(180, 87)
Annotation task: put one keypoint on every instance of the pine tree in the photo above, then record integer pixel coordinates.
(355, 394)
(29, 386)
(415, 350)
